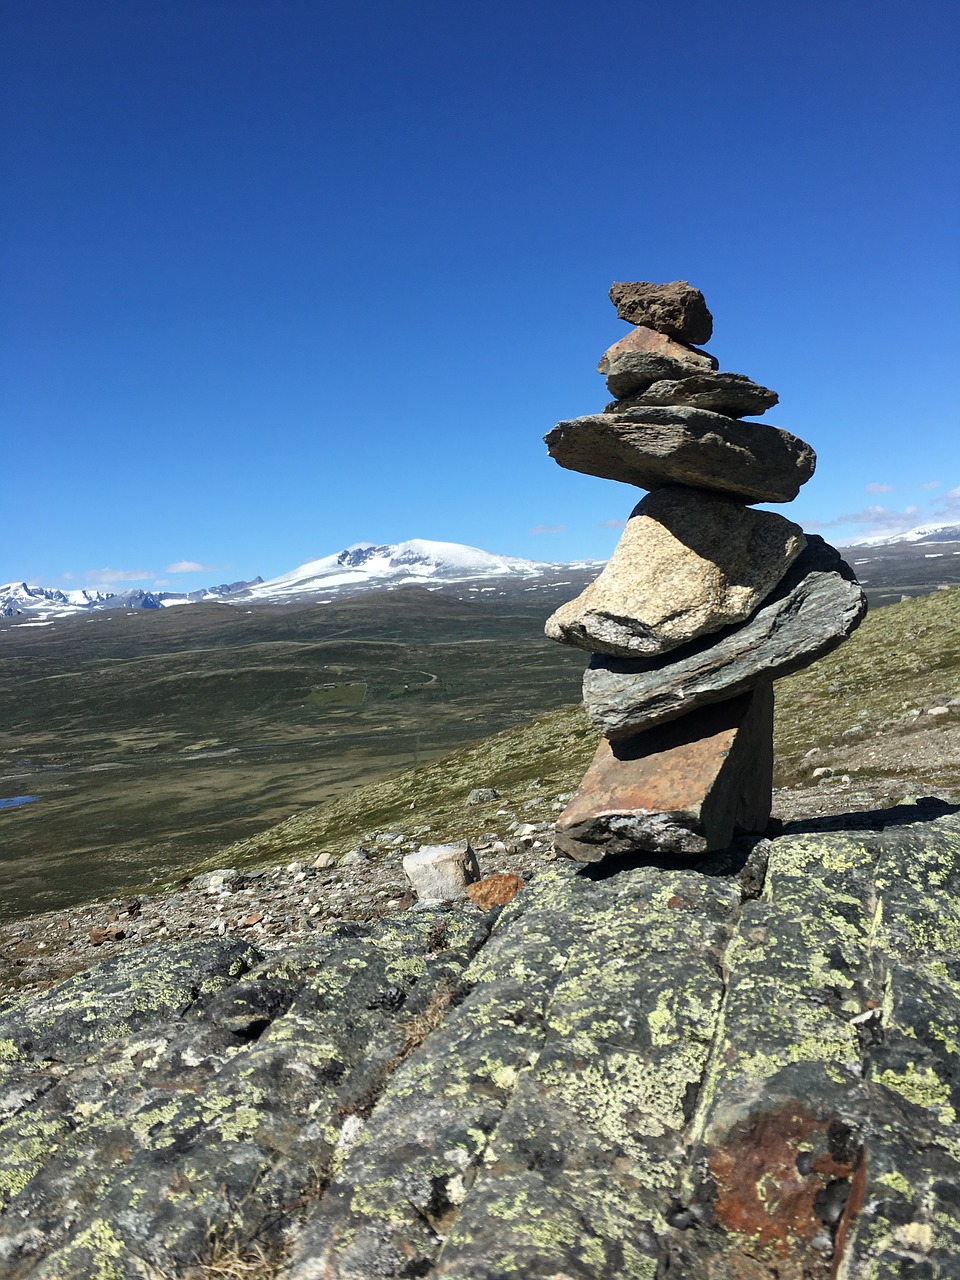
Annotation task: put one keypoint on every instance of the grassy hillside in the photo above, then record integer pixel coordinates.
(152, 737)
(872, 695)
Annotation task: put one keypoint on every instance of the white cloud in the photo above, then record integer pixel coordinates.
(873, 520)
(947, 507)
(189, 566)
(613, 524)
(874, 487)
(931, 484)
(547, 528)
(163, 582)
(105, 577)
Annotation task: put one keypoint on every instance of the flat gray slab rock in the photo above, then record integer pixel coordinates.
(675, 308)
(731, 394)
(634, 371)
(658, 446)
(687, 564)
(816, 606)
(739, 1069)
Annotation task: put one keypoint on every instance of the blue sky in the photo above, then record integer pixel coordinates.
(283, 276)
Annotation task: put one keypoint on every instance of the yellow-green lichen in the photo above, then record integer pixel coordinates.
(896, 1182)
(923, 1087)
(9, 1052)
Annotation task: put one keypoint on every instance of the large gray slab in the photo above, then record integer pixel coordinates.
(816, 606)
(679, 444)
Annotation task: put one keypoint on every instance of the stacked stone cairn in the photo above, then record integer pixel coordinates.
(705, 601)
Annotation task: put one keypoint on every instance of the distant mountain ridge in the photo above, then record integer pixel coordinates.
(19, 597)
(362, 566)
(922, 533)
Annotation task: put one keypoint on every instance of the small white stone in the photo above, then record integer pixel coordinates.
(938, 711)
(441, 871)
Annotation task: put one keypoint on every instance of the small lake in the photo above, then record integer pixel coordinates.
(15, 801)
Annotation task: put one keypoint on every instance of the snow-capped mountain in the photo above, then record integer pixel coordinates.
(49, 602)
(922, 533)
(364, 566)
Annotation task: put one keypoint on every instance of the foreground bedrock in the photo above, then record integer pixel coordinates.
(815, 607)
(688, 563)
(746, 1069)
(676, 444)
(682, 788)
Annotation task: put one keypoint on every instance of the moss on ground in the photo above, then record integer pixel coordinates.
(904, 657)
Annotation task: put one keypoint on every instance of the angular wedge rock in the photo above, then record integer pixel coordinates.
(688, 563)
(680, 445)
(682, 788)
(815, 607)
(644, 356)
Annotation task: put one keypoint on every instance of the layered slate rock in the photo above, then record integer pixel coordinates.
(688, 563)
(731, 394)
(814, 608)
(675, 308)
(683, 788)
(645, 356)
(660, 446)
(745, 1069)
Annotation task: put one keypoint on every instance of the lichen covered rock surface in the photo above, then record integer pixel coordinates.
(749, 1069)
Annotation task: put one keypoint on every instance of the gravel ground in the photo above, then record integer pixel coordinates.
(273, 907)
(279, 905)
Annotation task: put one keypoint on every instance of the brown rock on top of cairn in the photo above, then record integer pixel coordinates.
(731, 394)
(683, 789)
(688, 563)
(674, 308)
(681, 445)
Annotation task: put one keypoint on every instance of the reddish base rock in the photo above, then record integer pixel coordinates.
(682, 788)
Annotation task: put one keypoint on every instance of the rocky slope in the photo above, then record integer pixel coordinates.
(741, 1069)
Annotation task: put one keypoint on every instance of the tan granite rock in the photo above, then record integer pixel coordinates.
(812, 610)
(689, 563)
